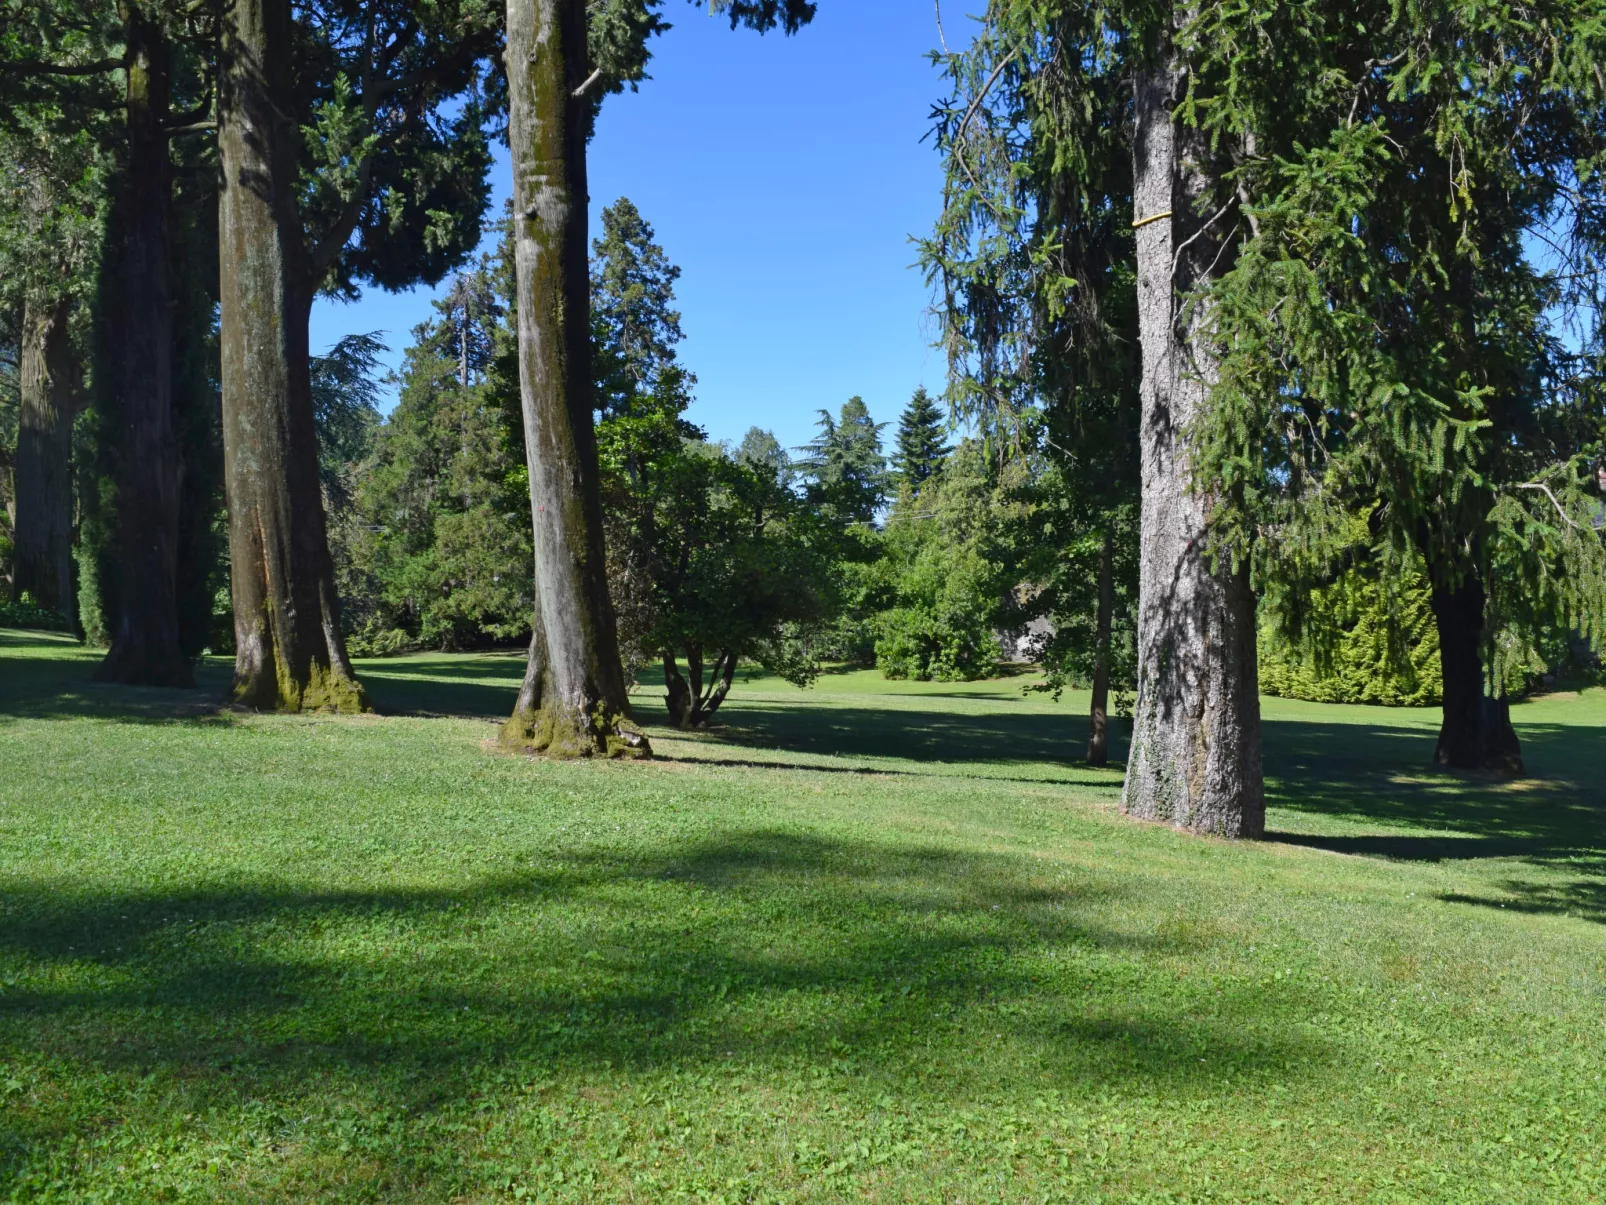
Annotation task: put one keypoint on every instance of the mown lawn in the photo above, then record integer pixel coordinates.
(874, 941)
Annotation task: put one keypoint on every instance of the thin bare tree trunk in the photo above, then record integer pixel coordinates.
(1195, 756)
(290, 652)
(146, 648)
(582, 708)
(1098, 722)
(42, 475)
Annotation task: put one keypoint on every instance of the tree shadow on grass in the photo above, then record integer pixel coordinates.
(768, 950)
(918, 734)
(479, 686)
(49, 676)
(1358, 773)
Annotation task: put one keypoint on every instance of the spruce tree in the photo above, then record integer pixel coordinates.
(920, 447)
(1033, 258)
(1406, 377)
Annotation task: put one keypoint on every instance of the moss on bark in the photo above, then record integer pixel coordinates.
(567, 733)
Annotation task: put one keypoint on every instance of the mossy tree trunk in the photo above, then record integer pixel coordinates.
(1195, 756)
(573, 703)
(42, 474)
(290, 654)
(1476, 733)
(1098, 716)
(146, 648)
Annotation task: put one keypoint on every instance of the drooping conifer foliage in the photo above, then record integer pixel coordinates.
(1410, 336)
(1033, 262)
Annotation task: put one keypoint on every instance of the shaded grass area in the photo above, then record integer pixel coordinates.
(874, 941)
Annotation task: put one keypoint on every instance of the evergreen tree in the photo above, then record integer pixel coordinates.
(762, 452)
(920, 446)
(54, 167)
(1033, 256)
(137, 75)
(634, 326)
(573, 700)
(352, 151)
(1397, 385)
(846, 470)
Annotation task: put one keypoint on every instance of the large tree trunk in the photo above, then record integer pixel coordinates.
(290, 654)
(1476, 733)
(145, 638)
(576, 706)
(1195, 756)
(197, 421)
(42, 531)
(1098, 722)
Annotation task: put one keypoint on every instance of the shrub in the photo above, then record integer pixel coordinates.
(1362, 654)
(25, 613)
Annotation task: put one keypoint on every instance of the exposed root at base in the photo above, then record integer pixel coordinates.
(566, 733)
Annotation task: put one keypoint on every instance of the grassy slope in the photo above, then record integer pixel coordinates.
(875, 941)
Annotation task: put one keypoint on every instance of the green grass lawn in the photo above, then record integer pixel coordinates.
(873, 941)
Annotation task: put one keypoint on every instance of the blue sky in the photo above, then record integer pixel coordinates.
(785, 176)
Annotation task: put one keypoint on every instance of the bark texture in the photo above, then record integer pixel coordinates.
(146, 648)
(1195, 759)
(1476, 733)
(692, 704)
(574, 703)
(290, 654)
(42, 474)
(1098, 715)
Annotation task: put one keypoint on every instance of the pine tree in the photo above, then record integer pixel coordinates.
(920, 444)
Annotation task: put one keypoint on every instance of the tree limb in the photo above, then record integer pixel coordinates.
(41, 68)
(1554, 501)
(328, 247)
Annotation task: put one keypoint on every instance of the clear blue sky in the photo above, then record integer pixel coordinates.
(785, 176)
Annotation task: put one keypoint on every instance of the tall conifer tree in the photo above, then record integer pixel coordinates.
(562, 58)
(338, 167)
(920, 445)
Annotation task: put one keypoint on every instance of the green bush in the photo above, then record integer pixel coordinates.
(942, 629)
(1354, 654)
(24, 613)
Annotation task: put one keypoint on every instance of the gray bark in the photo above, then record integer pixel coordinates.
(574, 702)
(1195, 755)
(290, 653)
(1098, 713)
(42, 553)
